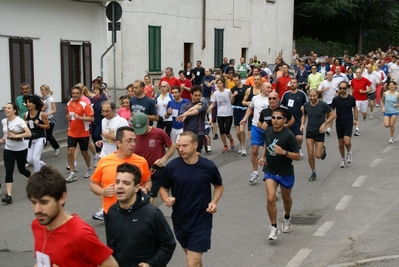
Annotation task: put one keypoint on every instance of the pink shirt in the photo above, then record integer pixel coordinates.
(125, 113)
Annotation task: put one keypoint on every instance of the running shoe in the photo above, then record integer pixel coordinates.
(278, 193)
(328, 132)
(209, 148)
(349, 157)
(342, 164)
(301, 152)
(391, 140)
(286, 226)
(364, 118)
(232, 146)
(27, 165)
(239, 151)
(254, 177)
(274, 232)
(243, 151)
(216, 136)
(313, 177)
(99, 215)
(71, 178)
(56, 152)
(371, 116)
(7, 199)
(69, 168)
(324, 153)
(96, 158)
(357, 132)
(225, 149)
(88, 173)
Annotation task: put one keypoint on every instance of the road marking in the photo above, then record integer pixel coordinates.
(299, 257)
(387, 149)
(359, 181)
(324, 228)
(375, 162)
(343, 203)
(353, 263)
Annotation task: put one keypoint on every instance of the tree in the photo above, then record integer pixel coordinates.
(346, 20)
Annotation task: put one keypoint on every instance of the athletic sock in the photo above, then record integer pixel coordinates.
(274, 225)
(287, 216)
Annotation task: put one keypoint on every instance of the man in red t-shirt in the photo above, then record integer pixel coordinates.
(360, 87)
(79, 116)
(61, 238)
(151, 145)
(169, 78)
(185, 86)
(283, 81)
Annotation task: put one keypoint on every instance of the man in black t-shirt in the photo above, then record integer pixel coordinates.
(344, 104)
(199, 73)
(237, 96)
(280, 150)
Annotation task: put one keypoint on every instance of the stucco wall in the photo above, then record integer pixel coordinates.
(264, 28)
(47, 22)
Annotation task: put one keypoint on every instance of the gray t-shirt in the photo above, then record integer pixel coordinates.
(316, 115)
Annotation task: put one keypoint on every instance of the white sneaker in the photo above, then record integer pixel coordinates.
(328, 132)
(391, 140)
(56, 152)
(42, 163)
(88, 173)
(71, 178)
(342, 164)
(286, 226)
(349, 157)
(371, 116)
(254, 177)
(243, 151)
(274, 232)
(239, 151)
(301, 152)
(99, 215)
(209, 148)
(27, 165)
(96, 158)
(357, 132)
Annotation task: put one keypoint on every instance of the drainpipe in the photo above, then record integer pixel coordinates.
(203, 24)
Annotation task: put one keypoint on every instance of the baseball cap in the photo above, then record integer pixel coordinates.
(139, 123)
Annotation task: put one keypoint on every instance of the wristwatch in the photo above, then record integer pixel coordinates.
(286, 153)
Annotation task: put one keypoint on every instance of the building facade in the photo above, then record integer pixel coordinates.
(157, 34)
(53, 42)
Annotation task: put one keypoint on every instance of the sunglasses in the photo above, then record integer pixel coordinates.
(343, 88)
(277, 117)
(272, 98)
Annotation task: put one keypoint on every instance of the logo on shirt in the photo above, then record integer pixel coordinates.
(151, 143)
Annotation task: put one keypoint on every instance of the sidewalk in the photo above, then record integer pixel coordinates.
(60, 136)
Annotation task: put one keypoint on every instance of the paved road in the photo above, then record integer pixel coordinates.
(355, 210)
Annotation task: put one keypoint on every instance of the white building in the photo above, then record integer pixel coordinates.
(53, 42)
(157, 34)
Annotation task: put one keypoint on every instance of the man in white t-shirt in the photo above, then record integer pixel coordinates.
(393, 71)
(328, 89)
(374, 79)
(258, 103)
(110, 123)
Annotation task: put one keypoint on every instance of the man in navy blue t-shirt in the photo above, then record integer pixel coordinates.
(189, 177)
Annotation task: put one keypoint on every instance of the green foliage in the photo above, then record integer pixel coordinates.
(344, 20)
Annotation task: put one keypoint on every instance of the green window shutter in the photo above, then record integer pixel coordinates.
(154, 48)
(218, 57)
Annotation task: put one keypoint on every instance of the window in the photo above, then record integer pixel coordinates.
(75, 60)
(21, 64)
(154, 48)
(218, 57)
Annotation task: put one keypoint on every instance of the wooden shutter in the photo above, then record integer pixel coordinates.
(21, 65)
(87, 64)
(218, 57)
(154, 48)
(66, 71)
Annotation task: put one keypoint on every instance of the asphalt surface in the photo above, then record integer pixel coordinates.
(355, 210)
